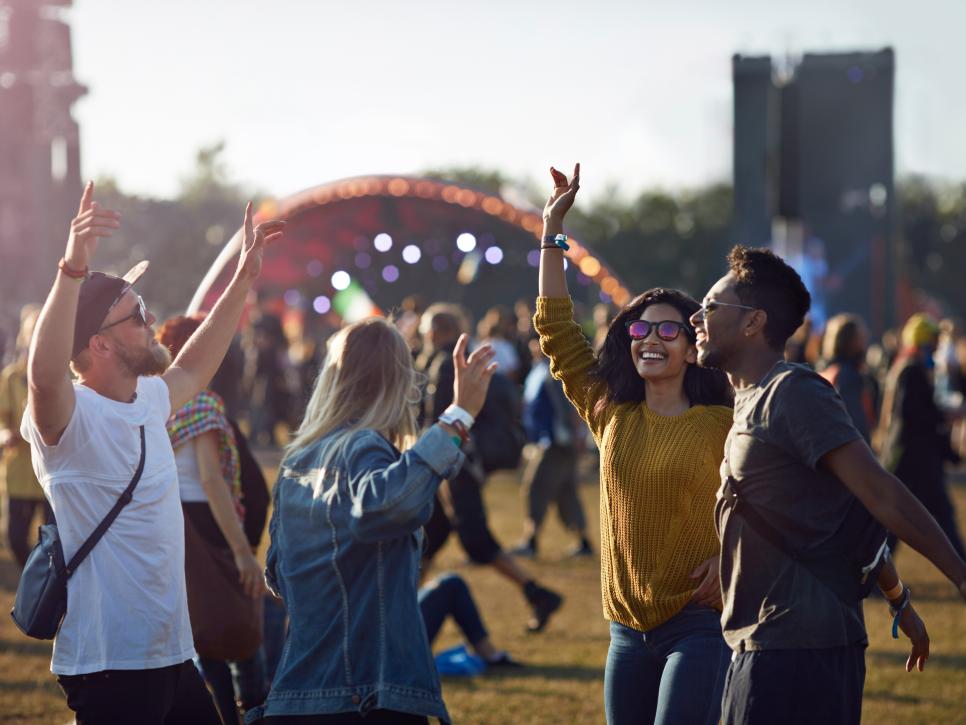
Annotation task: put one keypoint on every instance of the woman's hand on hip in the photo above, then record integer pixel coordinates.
(708, 592)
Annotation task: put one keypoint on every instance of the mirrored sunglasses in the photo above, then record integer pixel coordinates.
(667, 330)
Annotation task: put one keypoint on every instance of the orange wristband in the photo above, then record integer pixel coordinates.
(72, 273)
(895, 592)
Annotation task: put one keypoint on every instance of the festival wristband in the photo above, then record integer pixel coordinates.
(460, 414)
(559, 240)
(895, 592)
(70, 272)
(897, 610)
(457, 425)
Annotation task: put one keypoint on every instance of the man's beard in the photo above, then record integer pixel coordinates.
(153, 360)
(710, 358)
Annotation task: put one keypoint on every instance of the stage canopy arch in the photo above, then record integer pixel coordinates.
(359, 246)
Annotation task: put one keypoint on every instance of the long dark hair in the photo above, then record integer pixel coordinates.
(615, 370)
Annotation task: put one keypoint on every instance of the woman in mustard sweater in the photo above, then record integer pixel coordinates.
(660, 423)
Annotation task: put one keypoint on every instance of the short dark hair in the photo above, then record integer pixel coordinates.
(767, 282)
(615, 369)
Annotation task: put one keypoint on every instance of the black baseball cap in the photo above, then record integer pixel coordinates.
(98, 294)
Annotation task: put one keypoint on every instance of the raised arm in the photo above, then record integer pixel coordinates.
(561, 339)
(891, 503)
(200, 357)
(553, 280)
(50, 397)
(393, 495)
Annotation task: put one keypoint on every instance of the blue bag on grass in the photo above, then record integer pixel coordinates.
(459, 662)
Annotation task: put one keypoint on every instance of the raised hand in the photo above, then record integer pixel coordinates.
(473, 375)
(91, 223)
(254, 243)
(563, 195)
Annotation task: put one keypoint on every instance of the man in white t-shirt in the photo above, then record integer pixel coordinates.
(123, 652)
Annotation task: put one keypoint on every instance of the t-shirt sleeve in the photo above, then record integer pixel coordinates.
(157, 389)
(809, 418)
(76, 435)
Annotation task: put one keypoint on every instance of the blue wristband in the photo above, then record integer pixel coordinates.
(897, 611)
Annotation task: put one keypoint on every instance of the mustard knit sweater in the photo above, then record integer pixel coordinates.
(658, 480)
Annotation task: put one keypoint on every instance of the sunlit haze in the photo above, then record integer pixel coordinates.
(640, 92)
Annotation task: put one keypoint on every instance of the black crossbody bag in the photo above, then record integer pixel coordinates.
(41, 601)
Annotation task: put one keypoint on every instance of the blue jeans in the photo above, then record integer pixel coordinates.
(673, 674)
(449, 595)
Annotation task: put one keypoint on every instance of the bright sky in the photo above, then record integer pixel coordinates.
(639, 91)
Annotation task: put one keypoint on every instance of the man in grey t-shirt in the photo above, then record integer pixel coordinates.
(798, 462)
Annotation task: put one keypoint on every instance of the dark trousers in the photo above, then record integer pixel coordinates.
(165, 696)
(375, 717)
(551, 478)
(449, 596)
(20, 513)
(795, 687)
(468, 520)
(238, 684)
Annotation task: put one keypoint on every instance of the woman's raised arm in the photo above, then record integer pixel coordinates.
(553, 280)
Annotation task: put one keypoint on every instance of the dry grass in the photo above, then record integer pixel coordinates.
(564, 680)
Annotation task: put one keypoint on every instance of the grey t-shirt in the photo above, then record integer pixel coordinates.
(782, 428)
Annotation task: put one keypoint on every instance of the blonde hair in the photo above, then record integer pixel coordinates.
(367, 381)
(28, 321)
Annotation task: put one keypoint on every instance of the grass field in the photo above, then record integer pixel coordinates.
(563, 682)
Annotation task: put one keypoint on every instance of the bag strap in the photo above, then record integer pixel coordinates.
(765, 530)
(758, 523)
(122, 501)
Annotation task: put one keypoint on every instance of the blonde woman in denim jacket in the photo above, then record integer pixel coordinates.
(353, 492)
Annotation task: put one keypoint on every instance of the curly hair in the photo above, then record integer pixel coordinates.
(174, 333)
(767, 282)
(615, 369)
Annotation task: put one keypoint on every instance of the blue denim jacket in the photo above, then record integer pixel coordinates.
(344, 557)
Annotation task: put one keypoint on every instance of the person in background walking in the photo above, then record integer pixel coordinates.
(916, 431)
(23, 496)
(843, 352)
(551, 473)
(208, 479)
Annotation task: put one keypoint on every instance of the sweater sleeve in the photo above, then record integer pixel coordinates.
(571, 357)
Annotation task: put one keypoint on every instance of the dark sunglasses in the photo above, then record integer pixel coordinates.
(140, 315)
(667, 330)
(708, 308)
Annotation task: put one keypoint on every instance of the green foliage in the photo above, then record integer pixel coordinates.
(181, 237)
(656, 238)
(931, 250)
(475, 177)
(660, 239)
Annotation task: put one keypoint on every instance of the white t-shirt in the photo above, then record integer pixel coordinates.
(189, 475)
(127, 607)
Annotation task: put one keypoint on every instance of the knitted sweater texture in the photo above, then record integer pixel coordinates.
(658, 479)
